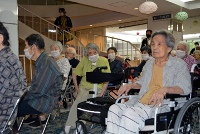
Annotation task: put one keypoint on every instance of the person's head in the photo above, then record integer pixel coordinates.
(92, 52)
(196, 54)
(162, 44)
(70, 53)
(182, 49)
(173, 53)
(148, 33)
(62, 11)
(112, 52)
(56, 49)
(34, 46)
(196, 44)
(146, 52)
(4, 36)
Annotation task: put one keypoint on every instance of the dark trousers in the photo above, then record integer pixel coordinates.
(25, 109)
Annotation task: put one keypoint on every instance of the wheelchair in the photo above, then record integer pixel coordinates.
(184, 120)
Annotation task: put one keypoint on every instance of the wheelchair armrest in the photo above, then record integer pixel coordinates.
(122, 97)
(173, 96)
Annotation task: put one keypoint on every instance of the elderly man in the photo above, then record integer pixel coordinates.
(182, 52)
(70, 54)
(45, 85)
(161, 75)
(12, 78)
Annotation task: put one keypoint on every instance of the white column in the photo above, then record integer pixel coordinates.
(171, 25)
(9, 18)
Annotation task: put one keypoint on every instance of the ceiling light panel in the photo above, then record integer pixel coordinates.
(187, 0)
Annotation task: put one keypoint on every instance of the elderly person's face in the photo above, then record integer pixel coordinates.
(196, 56)
(92, 52)
(69, 54)
(159, 47)
(55, 48)
(181, 47)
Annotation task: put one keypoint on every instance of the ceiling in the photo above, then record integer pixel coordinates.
(107, 13)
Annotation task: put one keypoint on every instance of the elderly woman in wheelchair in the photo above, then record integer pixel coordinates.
(163, 74)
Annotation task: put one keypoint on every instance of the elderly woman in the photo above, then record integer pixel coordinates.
(87, 64)
(182, 52)
(63, 63)
(13, 79)
(161, 75)
(196, 54)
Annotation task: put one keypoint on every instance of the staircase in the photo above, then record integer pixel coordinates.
(29, 23)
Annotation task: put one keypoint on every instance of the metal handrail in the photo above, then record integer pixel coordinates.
(94, 35)
(77, 39)
(77, 42)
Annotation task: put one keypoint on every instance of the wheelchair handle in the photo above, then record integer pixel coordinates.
(98, 69)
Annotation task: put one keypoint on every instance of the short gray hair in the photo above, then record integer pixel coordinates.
(57, 43)
(197, 51)
(169, 38)
(71, 50)
(92, 46)
(185, 44)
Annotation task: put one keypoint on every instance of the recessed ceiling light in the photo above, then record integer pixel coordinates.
(187, 0)
(119, 20)
(91, 25)
(136, 8)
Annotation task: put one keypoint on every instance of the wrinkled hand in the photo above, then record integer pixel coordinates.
(158, 97)
(136, 78)
(124, 89)
(75, 94)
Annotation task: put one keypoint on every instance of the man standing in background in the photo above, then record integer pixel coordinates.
(64, 23)
(147, 40)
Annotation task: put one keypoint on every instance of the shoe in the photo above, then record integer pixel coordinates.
(36, 124)
(29, 120)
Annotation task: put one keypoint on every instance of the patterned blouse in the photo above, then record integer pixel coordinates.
(189, 60)
(64, 66)
(65, 69)
(12, 84)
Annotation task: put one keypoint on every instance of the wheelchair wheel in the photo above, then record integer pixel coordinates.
(80, 128)
(188, 119)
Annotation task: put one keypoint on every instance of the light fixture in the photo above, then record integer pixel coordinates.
(148, 7)
(119, 20)
(91, 25)
(187, 0)
(181, 15)
(195, 22)
(136, 8)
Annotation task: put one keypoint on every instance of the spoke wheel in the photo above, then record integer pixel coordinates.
(80, 128)
(188, 119)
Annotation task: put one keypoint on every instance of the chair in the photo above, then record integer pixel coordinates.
(8, 126)
(49, 114)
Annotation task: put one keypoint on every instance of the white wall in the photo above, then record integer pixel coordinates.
(9, 17)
